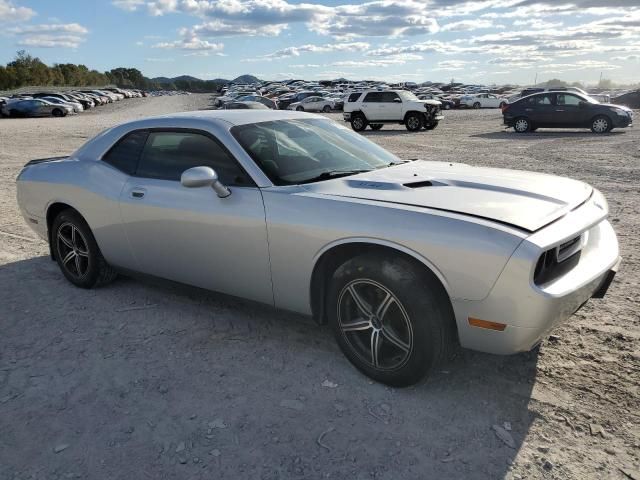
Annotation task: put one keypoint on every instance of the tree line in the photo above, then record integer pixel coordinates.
(26, 70)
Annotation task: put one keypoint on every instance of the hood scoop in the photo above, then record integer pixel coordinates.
(425, 183)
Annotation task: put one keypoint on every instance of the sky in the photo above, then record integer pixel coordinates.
(477, 41)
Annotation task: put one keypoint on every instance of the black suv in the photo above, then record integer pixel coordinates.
(564, 110)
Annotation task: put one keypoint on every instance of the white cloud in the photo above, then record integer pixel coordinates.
(69, 35)
(10, 13)
(191, 43)
(468, 25)
(311, 48)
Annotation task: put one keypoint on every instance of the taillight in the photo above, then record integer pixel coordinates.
(505, 107)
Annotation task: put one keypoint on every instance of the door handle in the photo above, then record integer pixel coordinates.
(138, 192)
(559, 110)
(528, 109)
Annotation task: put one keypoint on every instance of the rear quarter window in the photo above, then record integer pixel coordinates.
(125, 154)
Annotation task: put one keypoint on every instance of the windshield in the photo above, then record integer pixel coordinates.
(291, 152)
(407, 96)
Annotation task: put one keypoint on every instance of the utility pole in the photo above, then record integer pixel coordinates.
(535, 82)
(600, 82)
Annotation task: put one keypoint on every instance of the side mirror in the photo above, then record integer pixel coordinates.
(202, 177)
(397, 100)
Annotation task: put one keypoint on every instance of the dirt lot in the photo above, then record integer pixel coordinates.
(139, 380)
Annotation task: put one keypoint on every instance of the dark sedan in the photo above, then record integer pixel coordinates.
(565, 110)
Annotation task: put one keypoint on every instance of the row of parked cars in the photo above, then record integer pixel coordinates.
(61, 104)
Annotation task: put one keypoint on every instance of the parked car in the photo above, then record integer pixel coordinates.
(35, 107)
(244, 106)
(482, 100)
(287, 99)
(565, 110)
(400, 258)
(446, 104)
(375, 108)
(76, 106)
(312, 104)
(267, 102)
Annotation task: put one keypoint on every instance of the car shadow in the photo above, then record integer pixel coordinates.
(542, 133)
(171, 373)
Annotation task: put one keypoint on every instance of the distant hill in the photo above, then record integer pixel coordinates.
(246, 79)
(240, 79)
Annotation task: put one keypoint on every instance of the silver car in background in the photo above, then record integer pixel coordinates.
(35, 107)
(403, 259)
(313, 104)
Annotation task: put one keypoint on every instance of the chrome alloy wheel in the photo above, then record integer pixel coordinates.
(522, 125)
(413, 122)
(375, 324)
(600, 125)
(358, 122)
(73, 250)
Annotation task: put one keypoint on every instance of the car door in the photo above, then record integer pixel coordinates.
(371, 106)
(312, 104)
(540, 110)
(568, 112)
(391, 106)
(190, 235)
(490, 101)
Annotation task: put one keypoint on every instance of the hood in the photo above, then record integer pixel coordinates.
(525, 200)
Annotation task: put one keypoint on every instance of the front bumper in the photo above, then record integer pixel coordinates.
(530, 311)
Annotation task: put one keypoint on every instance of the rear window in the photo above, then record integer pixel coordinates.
(125, 154)
(354, 97)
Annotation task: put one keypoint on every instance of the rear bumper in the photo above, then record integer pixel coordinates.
(528, 311)
(346, 116)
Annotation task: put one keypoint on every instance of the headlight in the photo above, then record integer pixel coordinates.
(621, 112)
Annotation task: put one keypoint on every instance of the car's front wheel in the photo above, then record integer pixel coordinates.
(522, 125)
(477, 105)
(413, 122)
(77, 252)
(601, 124)
(391, 319)
(358, 122)
(300, 109)
(326, 109)
(57, 112)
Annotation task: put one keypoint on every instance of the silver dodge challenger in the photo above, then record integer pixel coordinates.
(403, 259)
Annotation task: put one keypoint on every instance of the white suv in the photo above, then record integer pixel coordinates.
(377, 107)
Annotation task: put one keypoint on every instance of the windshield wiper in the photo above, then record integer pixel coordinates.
(329, 174)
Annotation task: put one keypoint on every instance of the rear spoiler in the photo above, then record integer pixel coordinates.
(45, 160)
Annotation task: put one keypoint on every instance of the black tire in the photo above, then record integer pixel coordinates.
(376, 126)
(300, 108)
(446, 106)
(77, 253)
(326, 109)
(601, 124)
(56, 112)
(522, 125)
(477, 105)
(413, 122)
(431, 126)
(420, 318)
(358, 122)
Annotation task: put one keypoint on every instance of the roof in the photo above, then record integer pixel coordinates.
(237, 117)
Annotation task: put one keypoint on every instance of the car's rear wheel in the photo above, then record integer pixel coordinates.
(391, 319)
(326, 109)
(57, 112)
(358, 122)
(431, 126)
(413, 122)
(77, 252)
(601, 124)
(522, 125)
(477, 105)
(376, 126)
(300, 109)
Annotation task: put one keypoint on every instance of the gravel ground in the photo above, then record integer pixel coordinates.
(144, 380)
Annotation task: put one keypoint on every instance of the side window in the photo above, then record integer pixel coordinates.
(354, 97)
(389, 97)
(167, 155)
(567, 99)
(373, 97)
(124, 155)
